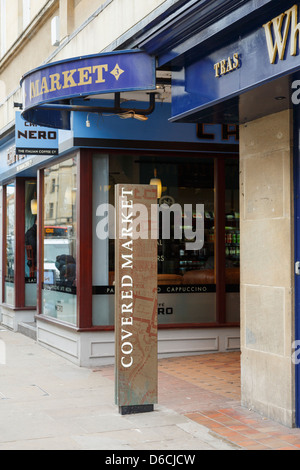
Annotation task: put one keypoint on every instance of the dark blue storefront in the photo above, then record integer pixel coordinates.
(106, 136)
(234, 62)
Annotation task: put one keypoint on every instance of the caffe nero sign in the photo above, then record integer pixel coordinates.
(34, 140)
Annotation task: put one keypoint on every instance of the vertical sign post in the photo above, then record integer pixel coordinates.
(136, 298)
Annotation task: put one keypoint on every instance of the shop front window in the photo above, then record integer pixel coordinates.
(30, 243)
(186, 277)
(59, 242)
(9, 289)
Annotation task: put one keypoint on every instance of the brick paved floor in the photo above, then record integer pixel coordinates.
(206, 389)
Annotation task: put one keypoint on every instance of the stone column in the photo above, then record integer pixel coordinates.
(267, 253)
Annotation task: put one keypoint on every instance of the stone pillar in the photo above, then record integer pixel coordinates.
(267, 253)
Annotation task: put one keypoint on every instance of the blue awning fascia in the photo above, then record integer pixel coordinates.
(201, 24)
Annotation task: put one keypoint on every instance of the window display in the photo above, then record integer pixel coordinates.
(186, 278)
(232, 241)
(59, 241)
(184, 181)
(188, 285)
(30, 243)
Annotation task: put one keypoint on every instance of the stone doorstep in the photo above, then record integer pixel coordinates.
(28, 329)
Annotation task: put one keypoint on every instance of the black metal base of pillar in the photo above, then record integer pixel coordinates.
(129, 410)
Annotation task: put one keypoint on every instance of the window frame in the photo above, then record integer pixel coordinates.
(19, 243)
(84, 260)
(83, 240)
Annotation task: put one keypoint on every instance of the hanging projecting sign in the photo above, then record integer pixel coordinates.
(85, 76)
(34, 140)
(136, 298)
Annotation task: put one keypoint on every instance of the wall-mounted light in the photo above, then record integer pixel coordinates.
(156, 182)
(55, 33)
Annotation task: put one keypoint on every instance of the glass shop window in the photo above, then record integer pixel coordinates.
(182, 181)
(9, 284)
(232, 241)
(232, 221)
(59, 242)
(30, 243)
(185, 182)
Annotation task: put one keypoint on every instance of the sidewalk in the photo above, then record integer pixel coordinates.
(48, 403)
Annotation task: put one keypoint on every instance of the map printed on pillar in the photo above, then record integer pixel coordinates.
(135, 299)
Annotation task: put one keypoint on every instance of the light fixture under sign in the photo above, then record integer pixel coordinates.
(33, 206)
(156, 182)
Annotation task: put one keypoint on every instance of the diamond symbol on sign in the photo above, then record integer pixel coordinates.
(117, 72)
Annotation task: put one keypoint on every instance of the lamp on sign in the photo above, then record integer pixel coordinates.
(156, 182)
(33, 205)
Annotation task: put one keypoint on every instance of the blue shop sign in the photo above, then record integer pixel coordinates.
(31, 139)
(158, 129)
(84, 76)
(256, 58)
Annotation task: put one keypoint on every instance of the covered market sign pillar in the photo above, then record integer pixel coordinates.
(136, 298)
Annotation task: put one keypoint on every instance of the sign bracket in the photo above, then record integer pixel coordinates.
(117, 109)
